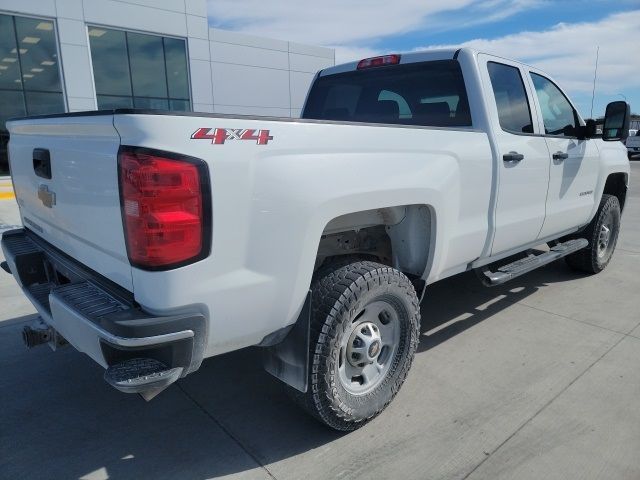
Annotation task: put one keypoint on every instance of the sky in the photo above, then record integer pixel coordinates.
(560, 37)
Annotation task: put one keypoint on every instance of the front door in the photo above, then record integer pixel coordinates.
(523, 170)
(574, 163)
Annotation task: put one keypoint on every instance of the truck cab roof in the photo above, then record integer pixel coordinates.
(416, 57)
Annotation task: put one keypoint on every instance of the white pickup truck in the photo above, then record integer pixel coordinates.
(633, 144)
(153, 240)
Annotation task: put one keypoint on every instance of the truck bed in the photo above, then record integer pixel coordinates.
(270, 202)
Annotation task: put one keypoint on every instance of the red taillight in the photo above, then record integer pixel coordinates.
(379, 61)
(163, 208)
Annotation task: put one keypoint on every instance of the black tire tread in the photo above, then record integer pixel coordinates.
(585, 260)
(335, 286)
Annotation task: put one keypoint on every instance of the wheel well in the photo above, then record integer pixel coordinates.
(396, 236)
(616, 185)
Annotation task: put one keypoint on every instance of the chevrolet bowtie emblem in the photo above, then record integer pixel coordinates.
(46, 197)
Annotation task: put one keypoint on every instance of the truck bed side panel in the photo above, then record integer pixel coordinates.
(271, 203)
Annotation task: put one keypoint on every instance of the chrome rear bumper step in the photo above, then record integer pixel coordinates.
(145, 376)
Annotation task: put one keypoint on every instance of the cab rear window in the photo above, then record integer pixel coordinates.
(428, 94)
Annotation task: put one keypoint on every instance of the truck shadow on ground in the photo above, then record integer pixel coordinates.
(456, 304)
(229, 417)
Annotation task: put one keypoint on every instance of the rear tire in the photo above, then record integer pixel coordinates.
(365, 325)
(602, 234)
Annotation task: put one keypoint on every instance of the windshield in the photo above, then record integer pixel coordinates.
(427, 93)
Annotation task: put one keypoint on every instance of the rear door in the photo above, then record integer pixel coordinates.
(523, 171)
(573, 163)
(65, 175)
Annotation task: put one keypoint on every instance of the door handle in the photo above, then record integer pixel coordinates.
(560, 156)
(512, 157)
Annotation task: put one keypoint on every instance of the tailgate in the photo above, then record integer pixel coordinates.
(77, 209)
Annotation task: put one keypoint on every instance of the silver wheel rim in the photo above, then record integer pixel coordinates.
(368, 347)
(606, 237)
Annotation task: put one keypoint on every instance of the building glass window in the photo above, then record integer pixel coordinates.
(135, 70)
(29, 73)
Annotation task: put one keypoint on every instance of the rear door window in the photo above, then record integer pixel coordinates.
(428, 94)
(511, 98)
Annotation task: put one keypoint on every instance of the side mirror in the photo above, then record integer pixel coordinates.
(589, 130)
(616, 122)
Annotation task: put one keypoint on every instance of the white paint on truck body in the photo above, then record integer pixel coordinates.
(271, 203)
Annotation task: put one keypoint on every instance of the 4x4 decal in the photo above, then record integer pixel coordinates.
(221, 135)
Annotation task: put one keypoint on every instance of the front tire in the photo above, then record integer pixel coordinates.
(365, 325)
(602, 234)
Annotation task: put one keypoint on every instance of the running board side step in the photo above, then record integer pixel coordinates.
(532, 261)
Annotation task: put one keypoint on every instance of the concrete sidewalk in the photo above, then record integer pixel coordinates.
(537, 379)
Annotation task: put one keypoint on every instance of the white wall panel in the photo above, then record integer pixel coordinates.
(196, 7)
(311, 50)
(250, 86)
(230, 72)
(45, 8)
(203, 107)
(300, 83)
(172, 5)
(201, 91)
(77, 71)
(79, 104)
(72, 31)
(134, 17)
(199, 49)
(244, 55)
(197, 27)
(307, 63)
(248, 40)
(69, 9)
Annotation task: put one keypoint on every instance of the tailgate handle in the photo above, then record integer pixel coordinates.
(42, 163)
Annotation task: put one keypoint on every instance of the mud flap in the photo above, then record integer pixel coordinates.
(289, 359)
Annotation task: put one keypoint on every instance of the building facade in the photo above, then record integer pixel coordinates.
(75, 55)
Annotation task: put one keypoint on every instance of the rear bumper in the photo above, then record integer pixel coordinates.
(96, 316)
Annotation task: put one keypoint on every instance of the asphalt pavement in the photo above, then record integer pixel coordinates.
(537, 379)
